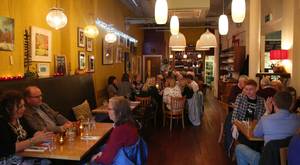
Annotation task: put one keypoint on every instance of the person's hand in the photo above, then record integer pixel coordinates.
(67, 125)
(96, 156)
(269, 105)
(40, 136)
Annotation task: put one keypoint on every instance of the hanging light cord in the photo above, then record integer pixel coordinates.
(223, 6)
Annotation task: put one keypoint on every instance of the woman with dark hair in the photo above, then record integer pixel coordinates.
(124, 133)
(112, 88)
(14, 137)
(125, 87)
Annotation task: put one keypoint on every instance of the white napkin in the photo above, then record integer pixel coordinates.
(235, 132)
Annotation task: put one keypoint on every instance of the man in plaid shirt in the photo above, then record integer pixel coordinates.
(249, 106)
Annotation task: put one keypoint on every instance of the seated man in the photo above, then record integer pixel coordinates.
(40, 116)
(249, 105)
(275, 126)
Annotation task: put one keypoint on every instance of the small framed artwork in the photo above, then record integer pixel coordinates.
(43, 69)
(81, 60)
(6, 33)
(119, 55)
(40, 44)
(60, 64)
(107, 53)
(89, 44)
(80, 38)
(91, 67)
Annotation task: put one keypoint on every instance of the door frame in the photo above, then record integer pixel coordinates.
(144, 57)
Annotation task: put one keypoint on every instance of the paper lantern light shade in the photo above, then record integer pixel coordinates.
(91, 31)
(207, 40)
(279, 54)
(177, 42)
(161, 11)
(174, 25)
(238, 10)
(110, 37)
(223, 24)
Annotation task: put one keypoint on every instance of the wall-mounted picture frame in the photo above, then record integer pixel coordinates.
(119, 55)
(60, 64)
(43, 69)
(89, 44)
(107, 53)
(7, 26)
(41, 40)
(91, 67)
(80, 38)
(81, 60)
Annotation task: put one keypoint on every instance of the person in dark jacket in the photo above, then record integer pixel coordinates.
(15, 134)
(266, 90)
(112, 88)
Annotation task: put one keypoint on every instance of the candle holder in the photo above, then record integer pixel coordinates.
(61, 139)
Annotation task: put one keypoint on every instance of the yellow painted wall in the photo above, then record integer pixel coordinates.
(64, 41)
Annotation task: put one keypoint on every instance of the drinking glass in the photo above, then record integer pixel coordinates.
(52, 143)
(71, 134)
(92, 123)
(86, 127)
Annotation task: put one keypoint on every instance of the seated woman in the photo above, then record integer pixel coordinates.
(112, 88)
(125, 87)
(172, 91)
(149, 89)
(124, 133)
(14, 137)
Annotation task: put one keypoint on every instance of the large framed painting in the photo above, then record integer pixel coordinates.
(80, 38)
(6, 34)
(60, 64)
(107, 53)
(40, 44)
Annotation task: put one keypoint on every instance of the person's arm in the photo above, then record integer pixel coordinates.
(38, 137)
(258, 130)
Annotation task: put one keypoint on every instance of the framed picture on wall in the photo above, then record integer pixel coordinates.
(119, 55)
(6, 33)
(107, 53)
(40, 44)
(89, 44)
(60, 64)
(81, 60)
(80, 38)
(91, 67)
(43, 69)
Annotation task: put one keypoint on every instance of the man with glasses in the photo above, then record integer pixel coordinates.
(40, 116)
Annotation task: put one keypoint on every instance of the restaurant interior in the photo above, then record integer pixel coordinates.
(149, 82)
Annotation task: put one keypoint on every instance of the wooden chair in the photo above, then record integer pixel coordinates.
(145, 111)
(176, 111)
(225, 108)
(283, 155)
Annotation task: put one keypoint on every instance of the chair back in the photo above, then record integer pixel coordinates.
(145, 101)
(177, 103)
(283, 155)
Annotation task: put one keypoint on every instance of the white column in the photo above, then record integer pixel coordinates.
(254, 37)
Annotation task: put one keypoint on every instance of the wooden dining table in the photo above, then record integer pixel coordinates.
(73, 150)
(104, 108)
(247, 130)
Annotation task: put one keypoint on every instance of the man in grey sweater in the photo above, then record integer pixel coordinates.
(40, 116)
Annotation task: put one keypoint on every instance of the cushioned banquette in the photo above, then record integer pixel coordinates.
(61, 93)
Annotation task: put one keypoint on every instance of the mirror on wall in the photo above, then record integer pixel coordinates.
(272, 42)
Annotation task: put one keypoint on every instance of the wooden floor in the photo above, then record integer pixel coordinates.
(191, 145)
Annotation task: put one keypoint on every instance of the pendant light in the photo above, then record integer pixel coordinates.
(177, 42)
(207, 40)
(223, 23)
(56, 18)
(161, 11)
(174, 25)
(110, 36)
(91, 31)
(238, 10)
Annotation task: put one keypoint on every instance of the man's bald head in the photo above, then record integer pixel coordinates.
(33, 95)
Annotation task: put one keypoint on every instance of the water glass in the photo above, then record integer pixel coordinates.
(71, 134)
(86, 127)
(92, 123)
(52, 144)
